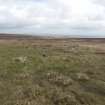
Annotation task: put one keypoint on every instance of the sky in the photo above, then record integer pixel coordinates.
(57, 17)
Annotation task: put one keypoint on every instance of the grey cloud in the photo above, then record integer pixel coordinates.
(56, 16)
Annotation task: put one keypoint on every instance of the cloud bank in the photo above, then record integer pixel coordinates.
(53, 16)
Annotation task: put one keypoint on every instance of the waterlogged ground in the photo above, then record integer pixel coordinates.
(52, 72)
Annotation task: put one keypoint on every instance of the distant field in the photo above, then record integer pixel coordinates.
(52, 72)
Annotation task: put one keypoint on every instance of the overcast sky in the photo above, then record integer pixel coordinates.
(72, 17)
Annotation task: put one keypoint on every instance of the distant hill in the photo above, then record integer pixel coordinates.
(18, 36)
(50, 36)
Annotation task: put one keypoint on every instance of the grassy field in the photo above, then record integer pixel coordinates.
(52, 72)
